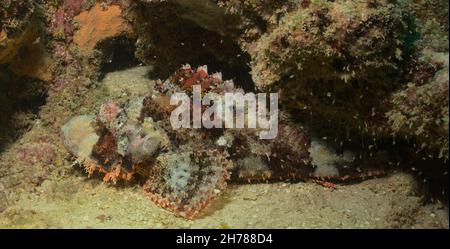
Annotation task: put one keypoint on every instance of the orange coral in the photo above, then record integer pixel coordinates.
(98, 24)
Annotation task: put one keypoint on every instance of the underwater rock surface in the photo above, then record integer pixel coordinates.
(364, 93)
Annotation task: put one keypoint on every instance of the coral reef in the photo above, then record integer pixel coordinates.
(338, 62)
(335, 62)
(370, 77)
(420, 110)
(14, 26)
(28, 162)
(21, 40)
(98, 24)
(431, 19)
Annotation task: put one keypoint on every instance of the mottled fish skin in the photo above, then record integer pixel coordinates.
(186, 169)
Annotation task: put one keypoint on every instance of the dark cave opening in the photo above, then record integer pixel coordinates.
(189, 37)
(432, 177)
(239, 74)
(20, 100)
(393, 154)
(117, 54)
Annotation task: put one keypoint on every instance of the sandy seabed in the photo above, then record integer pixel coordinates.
(78, 202)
